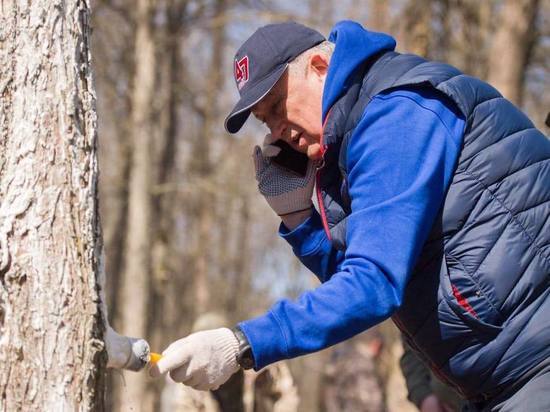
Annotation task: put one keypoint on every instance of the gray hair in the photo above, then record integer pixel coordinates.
(298, 64)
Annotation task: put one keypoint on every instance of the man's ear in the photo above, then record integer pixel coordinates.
(318, 64)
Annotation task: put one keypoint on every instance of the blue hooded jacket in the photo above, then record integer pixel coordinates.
(396, 191)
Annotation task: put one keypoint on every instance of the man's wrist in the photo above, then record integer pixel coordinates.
(293, 220)
(245, 358)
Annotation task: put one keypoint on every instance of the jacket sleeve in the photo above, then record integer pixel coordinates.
(311, 245)
(417, 376)
(401, 158)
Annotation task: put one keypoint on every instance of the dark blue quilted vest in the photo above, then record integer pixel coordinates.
(476, 307)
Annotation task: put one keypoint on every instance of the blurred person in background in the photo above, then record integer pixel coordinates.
(350, 377)
(433, 209)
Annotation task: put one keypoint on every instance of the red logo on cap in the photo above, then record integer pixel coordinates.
(241, 71)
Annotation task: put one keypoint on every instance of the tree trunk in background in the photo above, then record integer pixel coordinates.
(167, 307)
(307, 372)
(201, 163)
(389, 372)
(416, 27)
(321, 14)
(115, 233)
(379, 15)
(50, 238)
(133, 307)
(512, 47)
(240, 265)
(168, 310)
(115, 239)
(466, 30)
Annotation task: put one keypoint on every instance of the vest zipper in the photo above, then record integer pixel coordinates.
(321, 206)
(322, 210)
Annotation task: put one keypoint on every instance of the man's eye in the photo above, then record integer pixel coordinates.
(278, 107)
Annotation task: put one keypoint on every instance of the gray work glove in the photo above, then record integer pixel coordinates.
(284, 191)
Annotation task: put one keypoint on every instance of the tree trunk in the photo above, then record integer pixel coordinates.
(240, 265)
(512, 47)
(379, 15)
(51, 325)
(416, 27)
(164, 310)
(467, 23)
(136, 279)
(202, 165)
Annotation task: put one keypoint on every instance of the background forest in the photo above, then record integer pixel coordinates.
(185, 230)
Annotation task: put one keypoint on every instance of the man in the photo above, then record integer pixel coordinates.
(433, 209)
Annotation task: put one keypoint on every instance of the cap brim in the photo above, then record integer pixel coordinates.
(241, 111)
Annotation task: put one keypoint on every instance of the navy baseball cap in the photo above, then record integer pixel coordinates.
(262, 60)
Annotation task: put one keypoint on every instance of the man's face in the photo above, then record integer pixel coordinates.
(292, 109)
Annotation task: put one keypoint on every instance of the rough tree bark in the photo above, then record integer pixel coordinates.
(51, 327)
(512, 47)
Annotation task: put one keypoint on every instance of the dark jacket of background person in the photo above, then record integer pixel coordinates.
(421, 382)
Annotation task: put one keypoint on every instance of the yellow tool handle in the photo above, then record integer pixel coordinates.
(154, 357)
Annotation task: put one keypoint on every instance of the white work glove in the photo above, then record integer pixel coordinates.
(284, 191)
(203, 360)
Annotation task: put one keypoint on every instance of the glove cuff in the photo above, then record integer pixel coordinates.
(290, 203)
(295, 211)
(229, 347)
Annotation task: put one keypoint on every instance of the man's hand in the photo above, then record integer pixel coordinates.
(203, 360)
(284, 191)
(431, 403)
